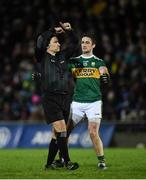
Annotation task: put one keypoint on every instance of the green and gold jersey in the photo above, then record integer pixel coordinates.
(87, 78)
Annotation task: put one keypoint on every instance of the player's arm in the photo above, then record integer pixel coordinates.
(104, 75)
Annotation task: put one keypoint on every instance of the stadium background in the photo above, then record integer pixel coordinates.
(120, 29)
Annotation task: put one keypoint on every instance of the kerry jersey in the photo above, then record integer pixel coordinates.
(87, 78)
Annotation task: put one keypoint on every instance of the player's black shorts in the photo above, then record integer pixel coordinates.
(56, 107)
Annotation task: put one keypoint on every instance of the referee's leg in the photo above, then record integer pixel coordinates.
(61, 135)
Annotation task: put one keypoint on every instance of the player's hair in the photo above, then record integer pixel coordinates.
(90, 35)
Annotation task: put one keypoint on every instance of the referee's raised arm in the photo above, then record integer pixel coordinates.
(72, 40)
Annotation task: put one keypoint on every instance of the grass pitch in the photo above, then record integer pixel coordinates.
(29, 163)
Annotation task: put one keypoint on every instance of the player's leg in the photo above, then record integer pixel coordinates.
(77, 113)
(93, 128)
(94, 115)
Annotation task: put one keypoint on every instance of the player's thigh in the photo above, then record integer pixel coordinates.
(94, 111)
(76, 112)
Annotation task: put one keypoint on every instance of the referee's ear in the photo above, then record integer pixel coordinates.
(48, 46)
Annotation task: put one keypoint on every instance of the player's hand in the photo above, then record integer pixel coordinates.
(36, 76)
(59, 30)
(105, 79)
(66, 26)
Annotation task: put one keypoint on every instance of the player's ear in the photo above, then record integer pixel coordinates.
(94, 45)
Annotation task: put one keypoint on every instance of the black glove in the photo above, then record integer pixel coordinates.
(104, 79)
(36, 76)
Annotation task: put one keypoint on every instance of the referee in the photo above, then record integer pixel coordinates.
(55, 85)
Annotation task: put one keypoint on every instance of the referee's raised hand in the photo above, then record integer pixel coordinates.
(59, 30)
(65, 26)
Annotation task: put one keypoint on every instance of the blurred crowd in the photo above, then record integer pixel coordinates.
(120, 29)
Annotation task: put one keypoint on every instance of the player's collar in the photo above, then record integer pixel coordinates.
(87, 57)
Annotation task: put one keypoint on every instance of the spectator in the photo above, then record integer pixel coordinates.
(121, 36)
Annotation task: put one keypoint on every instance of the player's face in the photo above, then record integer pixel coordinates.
(54, 45)
(87, 45)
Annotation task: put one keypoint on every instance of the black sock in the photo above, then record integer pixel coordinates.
(60, 156)
(70, 127)
(101, 159)
(53, 148)
(62, 145)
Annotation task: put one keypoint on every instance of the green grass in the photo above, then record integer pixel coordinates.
(122, 163)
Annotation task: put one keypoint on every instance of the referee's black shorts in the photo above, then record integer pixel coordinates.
(56, 107)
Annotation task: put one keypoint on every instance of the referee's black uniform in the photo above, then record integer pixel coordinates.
(55, 78)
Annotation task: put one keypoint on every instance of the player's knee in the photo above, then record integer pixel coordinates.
(98, 137)
(92, 128)
(92, 132)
